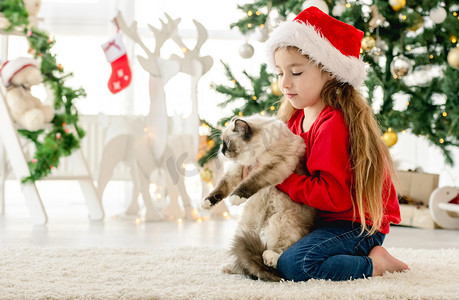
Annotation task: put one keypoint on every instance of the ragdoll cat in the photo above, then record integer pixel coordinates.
(271, 221)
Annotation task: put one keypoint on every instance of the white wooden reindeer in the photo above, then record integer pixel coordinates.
(173, 141)
(184, 138)
(141, 141)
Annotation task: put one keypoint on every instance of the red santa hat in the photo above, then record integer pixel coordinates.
(325, 40)
(12, 67)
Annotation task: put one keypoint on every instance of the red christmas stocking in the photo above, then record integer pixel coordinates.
(115, 52)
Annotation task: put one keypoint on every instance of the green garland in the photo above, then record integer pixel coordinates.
(59, 140)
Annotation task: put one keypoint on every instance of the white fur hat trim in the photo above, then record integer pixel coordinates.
(310, 42)
(12, 67)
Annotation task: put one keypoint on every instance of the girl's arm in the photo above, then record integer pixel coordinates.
(328, 185)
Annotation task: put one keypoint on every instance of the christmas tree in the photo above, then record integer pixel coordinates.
(411, 51)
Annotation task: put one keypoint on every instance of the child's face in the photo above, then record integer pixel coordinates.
(299, 79)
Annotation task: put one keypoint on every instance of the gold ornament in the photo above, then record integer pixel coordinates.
(389, 138)
(453, 58)
(275, 88)
(397, 4)
(368, 43)
(416, 25)
(400, 66)
(207, 175)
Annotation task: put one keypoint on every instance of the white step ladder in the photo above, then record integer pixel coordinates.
(14, 151)
(11, 148)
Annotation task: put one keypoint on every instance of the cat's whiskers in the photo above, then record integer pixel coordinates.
(215, 135)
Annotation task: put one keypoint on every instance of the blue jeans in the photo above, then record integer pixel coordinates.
(334, 251)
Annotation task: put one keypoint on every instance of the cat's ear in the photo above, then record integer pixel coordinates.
(243, 128)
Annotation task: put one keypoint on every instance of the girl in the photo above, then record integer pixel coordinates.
(348, 166)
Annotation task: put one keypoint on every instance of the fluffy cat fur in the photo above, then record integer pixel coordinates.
(271, 222)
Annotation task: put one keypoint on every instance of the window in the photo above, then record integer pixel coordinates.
(80, 27)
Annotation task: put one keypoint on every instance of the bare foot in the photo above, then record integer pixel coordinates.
(384, 262)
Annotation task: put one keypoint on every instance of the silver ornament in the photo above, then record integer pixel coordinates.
(400, 66)
(246, 51)
(438, 15)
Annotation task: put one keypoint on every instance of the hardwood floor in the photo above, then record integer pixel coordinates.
(69, 226)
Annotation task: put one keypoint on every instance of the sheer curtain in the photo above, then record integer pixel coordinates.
(80, 27)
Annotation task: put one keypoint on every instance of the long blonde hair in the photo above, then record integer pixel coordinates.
(370, 158)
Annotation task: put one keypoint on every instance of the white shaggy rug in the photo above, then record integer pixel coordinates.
(192, 273)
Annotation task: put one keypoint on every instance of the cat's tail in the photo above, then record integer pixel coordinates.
(248, 251)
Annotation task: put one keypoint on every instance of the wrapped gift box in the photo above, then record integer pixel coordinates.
(417, 187)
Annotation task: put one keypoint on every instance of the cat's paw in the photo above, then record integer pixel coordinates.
(206, 204)
(236, 200)
(227, 269)
(211, 200)
(270, 258)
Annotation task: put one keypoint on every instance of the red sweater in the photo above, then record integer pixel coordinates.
(328, 181)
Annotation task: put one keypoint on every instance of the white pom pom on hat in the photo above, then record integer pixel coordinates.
(325, 40)
(12, 67)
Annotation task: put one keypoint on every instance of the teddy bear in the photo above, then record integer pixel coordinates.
(32, 7)
(18, 76)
